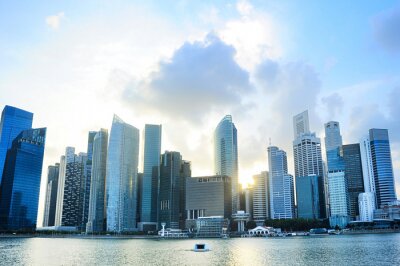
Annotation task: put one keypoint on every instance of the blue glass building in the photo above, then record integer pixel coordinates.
(21, 181)
(382, 165)
(151, 175)
(226, 156)
(13, 121)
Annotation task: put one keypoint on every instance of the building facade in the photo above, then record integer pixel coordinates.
(226, 156)
(97, 200)
(151, 175)
(338, 196)
(13, 122)
(51, 195)
(366, 206)
(20, 185)
(260, 198)
(121, 177)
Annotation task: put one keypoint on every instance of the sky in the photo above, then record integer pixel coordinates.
(186, 64)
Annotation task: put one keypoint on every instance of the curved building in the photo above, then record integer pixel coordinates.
(122, 169)
(226, 156)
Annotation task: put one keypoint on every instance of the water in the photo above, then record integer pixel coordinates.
(379, 249)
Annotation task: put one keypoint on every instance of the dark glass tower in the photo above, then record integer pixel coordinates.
(51, 195)
(21, 181)
(13, 121)
(382, 165)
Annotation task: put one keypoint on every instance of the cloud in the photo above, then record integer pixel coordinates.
(54, 20)
(386, 29)
(200, 78)
(333, 104)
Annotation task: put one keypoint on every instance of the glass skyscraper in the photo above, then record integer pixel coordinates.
(21, 180)
(382, 165)
(259, 197)
(226, 156)
(97, 200)
(51, 195)
(280, 185)
(13, 121)
(151, 175)
(121, 179)
(310, 183)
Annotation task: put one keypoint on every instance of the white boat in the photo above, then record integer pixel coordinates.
(201, 247)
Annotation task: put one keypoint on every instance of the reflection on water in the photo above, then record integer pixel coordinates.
(382, 249)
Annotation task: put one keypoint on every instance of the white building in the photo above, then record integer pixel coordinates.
(338, 199)
(260, 198)
(366, 205)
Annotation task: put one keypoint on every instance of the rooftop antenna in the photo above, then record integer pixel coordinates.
(269, 141)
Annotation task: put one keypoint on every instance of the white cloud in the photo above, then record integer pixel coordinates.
(54, 20)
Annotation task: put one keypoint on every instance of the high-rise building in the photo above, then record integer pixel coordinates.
(87, 179)
(51, 195)
(308, 170)
(260, 198)
(139, 188)
(366, 205)
(97, 199)
(382, 165)
(13, 121)
(337, 183)
(226, 156)
(70, 189)
(367, 167)
(354, 176)
(172, 190)
(281, 190)
(121, 178)
(208, 196)
(21, 180)
(151, 175)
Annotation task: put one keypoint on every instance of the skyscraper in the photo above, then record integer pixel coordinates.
(87, 179)
(308, 170)
(21, 180)
(259, 195)
(226, 156)
(122, 169)
(70, 189)
(354, 176)
(281, 190)
(382, 165)
(151, 175)
(51, 195)
(97, 200)
(337, 182)
(172, 190)
(13, 121)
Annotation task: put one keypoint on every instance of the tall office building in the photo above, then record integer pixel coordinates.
(366, 205)
(51, 195)
(308, 170)
(122, 169)
(21, 180)
(97, 200)
(13, 122)
(151, 175)
(87, 180)
(382, 165)
(354, 176)
(226, 156)
(367, 167)
(337, 183)
(259, 194)
(281, 190)
(172, 190)
(70, 189)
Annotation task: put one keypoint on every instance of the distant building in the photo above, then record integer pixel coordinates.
(308, 170)
(13, 122)
(389, 211)
(121, 178)
(382, 165)
(260, 198)
(172, 190)
(366, 205)
(20, 185)
(338, 199)
(208, 196)
(151, 175)
(226, 156)
(281, 191)
(97, 200)
(51, 195)
(212, 226)
(70, 189)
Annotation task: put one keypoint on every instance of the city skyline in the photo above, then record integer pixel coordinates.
(268, 70)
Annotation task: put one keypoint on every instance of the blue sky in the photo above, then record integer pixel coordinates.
(185, 64)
